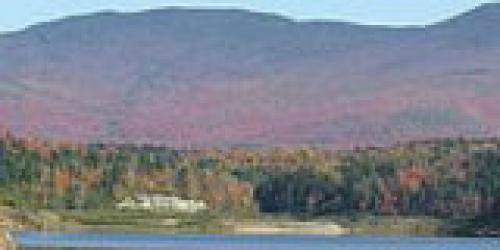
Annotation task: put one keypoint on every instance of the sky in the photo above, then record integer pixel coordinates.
(18, 14)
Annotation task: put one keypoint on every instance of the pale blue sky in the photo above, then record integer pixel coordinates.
(17, 14)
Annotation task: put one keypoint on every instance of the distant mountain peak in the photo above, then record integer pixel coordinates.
(487, 12)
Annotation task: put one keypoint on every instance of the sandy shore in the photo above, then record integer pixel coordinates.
(300, 228)
(3, 241)
(7, 222)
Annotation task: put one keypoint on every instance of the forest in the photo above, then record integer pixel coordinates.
(451, 178)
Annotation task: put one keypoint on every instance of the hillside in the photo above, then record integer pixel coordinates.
(230, 77)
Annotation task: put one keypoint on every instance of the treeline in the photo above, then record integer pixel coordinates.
(449, 178)
(36, 173)
(445, 178)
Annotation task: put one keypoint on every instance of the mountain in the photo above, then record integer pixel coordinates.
(231, 77)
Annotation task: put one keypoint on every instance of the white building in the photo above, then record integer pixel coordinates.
(160, 202)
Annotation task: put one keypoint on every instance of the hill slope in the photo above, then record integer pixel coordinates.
(221, 77)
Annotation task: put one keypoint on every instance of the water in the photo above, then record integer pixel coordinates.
(40, 240)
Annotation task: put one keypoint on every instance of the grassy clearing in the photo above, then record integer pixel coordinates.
(140, 220)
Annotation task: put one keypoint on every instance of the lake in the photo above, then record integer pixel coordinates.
(42, 240)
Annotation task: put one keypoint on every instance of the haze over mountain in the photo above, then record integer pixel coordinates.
(225, 77)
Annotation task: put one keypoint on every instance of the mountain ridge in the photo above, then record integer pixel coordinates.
(485, 7)
(222, 77)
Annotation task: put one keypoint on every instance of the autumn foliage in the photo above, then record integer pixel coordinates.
(445, 177)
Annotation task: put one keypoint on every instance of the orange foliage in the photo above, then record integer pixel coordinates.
(62, 180)
(412, 177)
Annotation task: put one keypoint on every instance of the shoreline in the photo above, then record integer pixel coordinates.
(289, 228)
(7, 241)
(88, 222)
(257, 228)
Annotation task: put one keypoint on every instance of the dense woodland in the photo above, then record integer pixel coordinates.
(446, 178)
